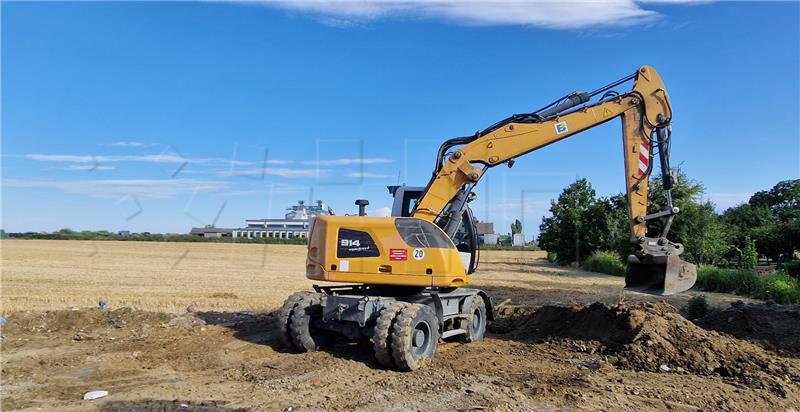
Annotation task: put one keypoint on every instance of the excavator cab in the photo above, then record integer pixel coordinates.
(465, 238)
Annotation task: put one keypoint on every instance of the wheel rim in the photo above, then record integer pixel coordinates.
(476, 320)
(421, 338)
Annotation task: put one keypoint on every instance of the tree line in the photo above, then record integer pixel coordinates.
(69, 234)
(767, 225)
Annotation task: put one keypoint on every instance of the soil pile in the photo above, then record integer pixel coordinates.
(87, 323)
(774, 326)
(652, 337)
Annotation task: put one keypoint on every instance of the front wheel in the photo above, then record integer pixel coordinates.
(475, 323)
(415, 336)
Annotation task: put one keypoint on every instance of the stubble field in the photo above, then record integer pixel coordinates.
(191, 326)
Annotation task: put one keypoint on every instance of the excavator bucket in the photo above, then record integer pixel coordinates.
(659, 275)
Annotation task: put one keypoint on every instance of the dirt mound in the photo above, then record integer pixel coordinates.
(650, 337)
(774, 326)
(155, 405)
(83, 321)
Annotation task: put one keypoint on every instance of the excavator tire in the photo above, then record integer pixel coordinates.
(415, 336)
(382, 336)
(284, 317)
(305, 336)
(475, 323)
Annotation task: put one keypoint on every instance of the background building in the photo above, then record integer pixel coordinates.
(295, 224)
(486, 235)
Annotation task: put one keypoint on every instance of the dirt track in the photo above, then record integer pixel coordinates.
(230, 358)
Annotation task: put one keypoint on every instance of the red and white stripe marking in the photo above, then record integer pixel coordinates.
(644, 158)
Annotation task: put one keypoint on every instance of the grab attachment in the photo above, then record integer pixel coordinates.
(658, 270)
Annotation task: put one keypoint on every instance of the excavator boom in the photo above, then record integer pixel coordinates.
(646, 115)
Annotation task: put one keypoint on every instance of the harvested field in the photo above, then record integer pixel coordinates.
(225, 276)
(552, 349)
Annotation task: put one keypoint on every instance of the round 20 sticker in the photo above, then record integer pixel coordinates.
(419, 254)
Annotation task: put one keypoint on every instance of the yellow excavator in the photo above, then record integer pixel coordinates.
(406, 273)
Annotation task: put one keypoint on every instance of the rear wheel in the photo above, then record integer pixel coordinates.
(382, 335)
(475, 323)
(284, 317)
(305, 335)
(415, 336)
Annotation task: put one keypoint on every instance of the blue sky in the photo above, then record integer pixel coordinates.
(163, 116)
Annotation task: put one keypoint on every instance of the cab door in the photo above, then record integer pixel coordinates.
(466, 241)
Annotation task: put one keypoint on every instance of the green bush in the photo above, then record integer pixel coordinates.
(604, 262)
(552, 257)
(792, 268)
(780, 287)
(776, 286)
(740, 281)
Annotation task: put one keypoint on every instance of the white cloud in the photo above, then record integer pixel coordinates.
(237, 167)
(160, 188)
(271, 190)
(155, 158)
(541, 13)
(131, 144)
(172, 157)
(86, 168)
(367, 175)
(277, 171)
(381, 211)
(166, 157)
(349, 161)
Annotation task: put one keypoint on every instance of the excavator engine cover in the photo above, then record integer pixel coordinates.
(397, 251)
(659, 275)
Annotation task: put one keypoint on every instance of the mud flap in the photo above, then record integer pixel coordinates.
(659, 275)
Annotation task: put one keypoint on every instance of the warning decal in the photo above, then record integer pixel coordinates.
(644, 159)
(398, 254)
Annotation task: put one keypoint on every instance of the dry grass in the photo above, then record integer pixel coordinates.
(57, 274)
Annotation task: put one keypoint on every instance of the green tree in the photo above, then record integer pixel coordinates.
(684, 190)
(749, 254)
(776, 240)
(702, 233)
(783, 199)
(746, 216)
(698, 225)
(562, 233)
(516, 227)
(742, 219)
(606, 225)
(771, 218)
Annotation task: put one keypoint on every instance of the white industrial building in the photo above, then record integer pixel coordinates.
(273, 228)
(295, 224)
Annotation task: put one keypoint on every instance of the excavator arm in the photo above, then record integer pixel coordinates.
(646, 115)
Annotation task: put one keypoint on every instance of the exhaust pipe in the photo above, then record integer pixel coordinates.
(659, 275)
